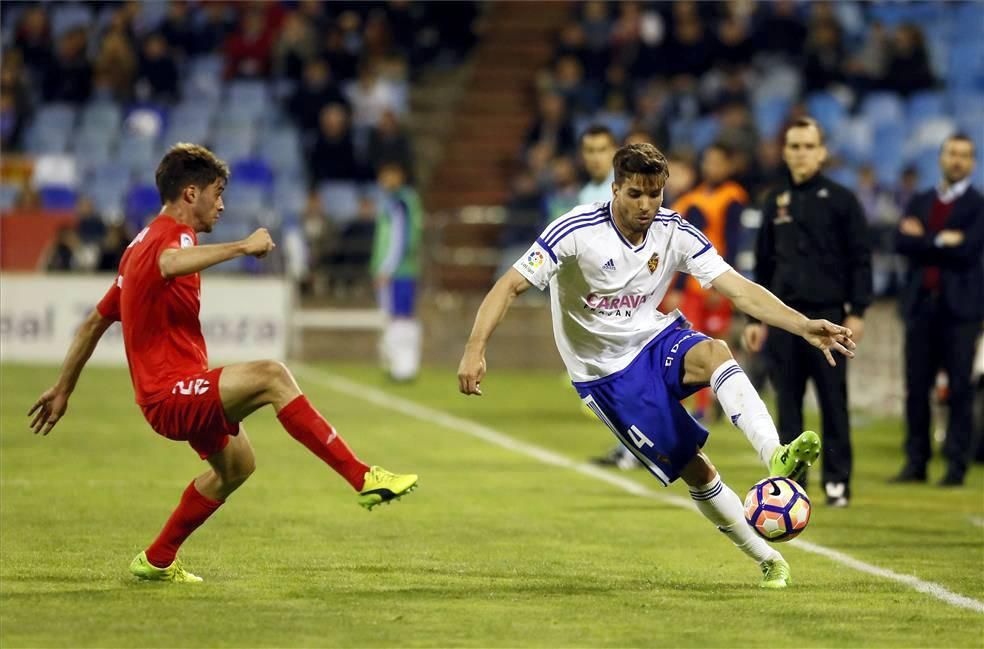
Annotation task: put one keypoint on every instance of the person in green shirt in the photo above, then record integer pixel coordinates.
(395, 267)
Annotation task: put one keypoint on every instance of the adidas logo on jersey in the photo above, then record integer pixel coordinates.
(609, 265)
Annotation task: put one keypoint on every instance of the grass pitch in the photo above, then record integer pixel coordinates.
(495, 549)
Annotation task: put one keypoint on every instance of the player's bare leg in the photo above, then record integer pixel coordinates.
(720, 505)
(246, 387)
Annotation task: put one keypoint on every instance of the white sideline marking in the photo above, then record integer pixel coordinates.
(432, 416)
(977, 520)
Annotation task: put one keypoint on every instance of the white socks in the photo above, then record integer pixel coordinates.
(745, 408)
(720, 505)
(400, 348)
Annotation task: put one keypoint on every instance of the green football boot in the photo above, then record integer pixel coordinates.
(791, 460)
(381, 486)
(144, 569)
(775, 574)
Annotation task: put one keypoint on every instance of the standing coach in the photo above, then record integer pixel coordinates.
(813, 252)
(942, 303)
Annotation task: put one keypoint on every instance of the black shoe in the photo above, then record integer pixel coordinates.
(837, 494)
(909, 474)
(951, 479)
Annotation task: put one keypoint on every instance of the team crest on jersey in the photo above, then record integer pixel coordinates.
(782, 208)
(653, 263)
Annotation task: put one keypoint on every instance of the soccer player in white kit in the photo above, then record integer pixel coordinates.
(608, 266)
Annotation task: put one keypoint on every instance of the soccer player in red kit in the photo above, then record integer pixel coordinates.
(156, 296)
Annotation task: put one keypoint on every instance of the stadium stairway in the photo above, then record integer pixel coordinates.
(479, 148)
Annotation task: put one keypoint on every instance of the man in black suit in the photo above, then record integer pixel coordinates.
(942, 303)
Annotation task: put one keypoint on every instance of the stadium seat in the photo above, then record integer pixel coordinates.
(880, 107)
(243, 202)
(135, 152)
(770, 115)
(340, 200)
(253, 172)
(92, 148)
(69, 15)
(281, 148)
(827, 110)
(142, 204)
(289, 195)
(233, 145)
(102, 116)
(57, 197)
(922, 106)
(887, 152)
(853, 140)
(704, 131)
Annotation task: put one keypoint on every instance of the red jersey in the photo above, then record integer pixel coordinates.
(162, 333)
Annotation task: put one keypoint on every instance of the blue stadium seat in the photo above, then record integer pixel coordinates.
(92, 148)
(254, 172)
(880, 107)
(142, 204)
(853, 140)
(770, 115)
(340, 200)
(827, 110)
(135, 152)
(244, 202)
(101, 115)
(289, 195)
(281, 148)
(924, 105)
(41, 140)
(704, 131)
(232, 146)
(57, 197)
(68, 15)
(887, 152)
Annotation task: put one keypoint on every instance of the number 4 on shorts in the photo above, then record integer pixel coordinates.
(639, 438)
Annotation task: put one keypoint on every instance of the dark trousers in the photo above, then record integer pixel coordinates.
(792, 361)
(934, 341)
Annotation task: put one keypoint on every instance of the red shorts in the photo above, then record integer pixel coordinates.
(193, 413)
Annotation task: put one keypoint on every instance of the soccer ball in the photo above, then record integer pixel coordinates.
(777, 509)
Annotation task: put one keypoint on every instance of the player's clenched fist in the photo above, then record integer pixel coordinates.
(259, 243)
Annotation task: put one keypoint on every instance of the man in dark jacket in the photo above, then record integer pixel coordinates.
(942, 303)
(813, 252)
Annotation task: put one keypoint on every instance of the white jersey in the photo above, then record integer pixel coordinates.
(604, 292)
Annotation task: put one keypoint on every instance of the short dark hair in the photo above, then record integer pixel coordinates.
(187, 164)
(959, 136)
(804, 122)
(724, 147)
(598, 129)
(644, 159)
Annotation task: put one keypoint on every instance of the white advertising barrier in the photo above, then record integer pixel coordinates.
(243, 318)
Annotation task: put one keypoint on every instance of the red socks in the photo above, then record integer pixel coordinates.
(193, 510)
(307, 426)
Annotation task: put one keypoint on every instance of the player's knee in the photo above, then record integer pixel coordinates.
(239, 473)
(720, 353)
(275, 374)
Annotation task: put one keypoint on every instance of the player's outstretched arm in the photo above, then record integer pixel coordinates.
(52, 404)
(175, 262)
(471, 370)
(759, 303)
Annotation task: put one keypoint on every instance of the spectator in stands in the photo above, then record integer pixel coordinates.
(597, 151)
(62, 254)
(316, 90)
(564, 195)
(214, 27)
(68, 77)
(878, 204)
(296, 46)
(33, 40)
(525, 216)
(158, 77)
(248, 50)
(780, 30)
(343, 63)
(908, 68)
(581, 95)
(907, 187)
(113, 246)
(177, 29)
(115, 68)
(942, 302)
(683, 176)
(15, 103)
(691, 47)
(333, 155)
(825, 56)
(552, 126)
(388, 142)
(371, 95)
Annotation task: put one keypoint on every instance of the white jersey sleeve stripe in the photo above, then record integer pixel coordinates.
(577, 226)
